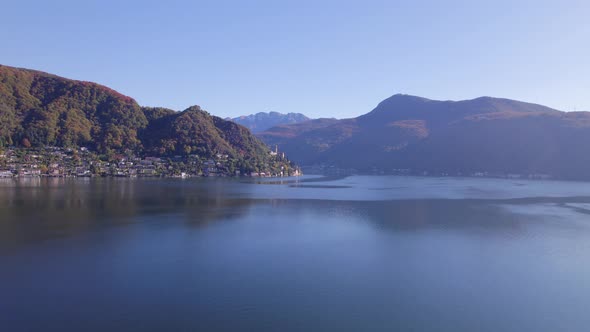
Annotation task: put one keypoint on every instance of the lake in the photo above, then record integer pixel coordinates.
(361, 253)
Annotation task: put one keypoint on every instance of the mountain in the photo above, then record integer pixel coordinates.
(493, 135)
(262, 121)
(195, 131)
(39, 109)
(42, 109)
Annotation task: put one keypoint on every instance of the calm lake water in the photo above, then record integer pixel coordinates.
(307, 254)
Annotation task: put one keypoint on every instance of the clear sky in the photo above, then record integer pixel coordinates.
(322, 58)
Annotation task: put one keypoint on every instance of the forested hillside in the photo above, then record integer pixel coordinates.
(39, 109)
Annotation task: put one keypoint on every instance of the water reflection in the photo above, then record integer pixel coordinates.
(34, 209)
(37, 209)
(228, 255)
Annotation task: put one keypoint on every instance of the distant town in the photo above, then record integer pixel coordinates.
(81, 162)
(331, 170)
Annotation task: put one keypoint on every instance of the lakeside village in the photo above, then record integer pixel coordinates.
(80, 162)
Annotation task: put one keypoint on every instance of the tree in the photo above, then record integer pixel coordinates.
(26, 143)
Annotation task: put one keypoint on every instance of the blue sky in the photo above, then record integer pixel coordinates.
(321, 58)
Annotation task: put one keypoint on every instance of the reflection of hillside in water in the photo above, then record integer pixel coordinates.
(489, 216)
(34, 209)
(38, 209)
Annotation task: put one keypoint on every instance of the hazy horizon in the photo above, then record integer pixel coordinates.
(333, 59)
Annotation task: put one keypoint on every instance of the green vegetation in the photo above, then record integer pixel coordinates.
(39, 109)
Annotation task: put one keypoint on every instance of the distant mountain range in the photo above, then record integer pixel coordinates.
(40, 109)
(262, 121)
(494, 135)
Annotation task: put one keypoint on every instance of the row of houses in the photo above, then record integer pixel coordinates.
(68, 162)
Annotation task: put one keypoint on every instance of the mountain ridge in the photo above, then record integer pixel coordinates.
(483, 134)
(261, 121)
(40, 109)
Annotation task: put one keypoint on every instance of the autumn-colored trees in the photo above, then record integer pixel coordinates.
(26, 143)
(49, 110)
(38, 109)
